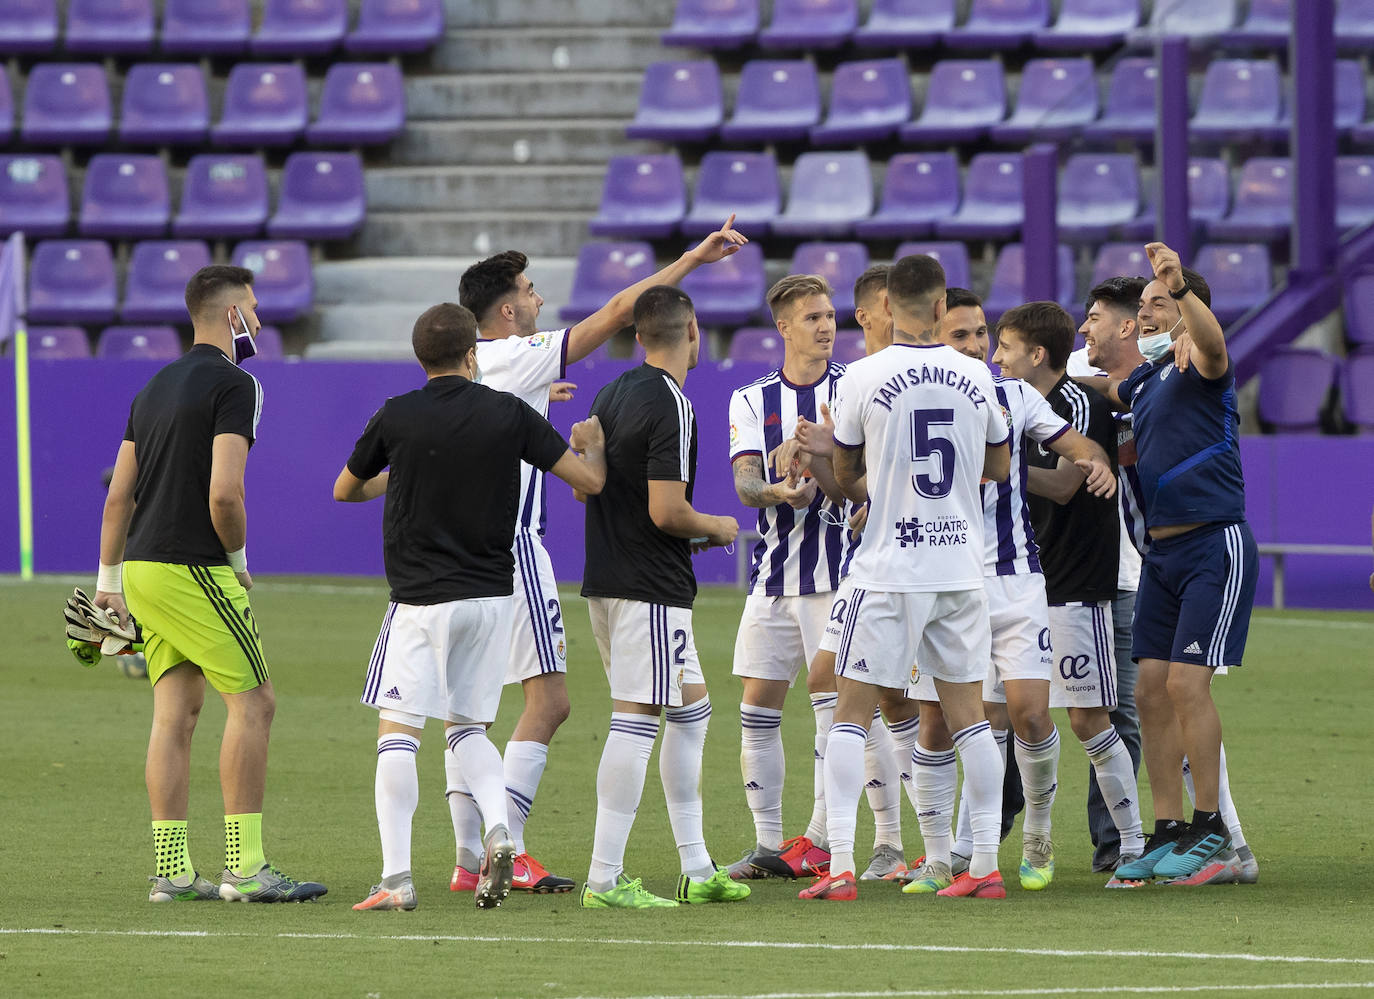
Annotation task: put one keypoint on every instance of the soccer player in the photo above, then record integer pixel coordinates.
(923, 420)
(1197, 584)
(447, 457)
(640, 587)
(172, 553)
(514, 357)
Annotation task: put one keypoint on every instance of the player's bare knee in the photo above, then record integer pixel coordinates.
(1087, 723)
(933, 732)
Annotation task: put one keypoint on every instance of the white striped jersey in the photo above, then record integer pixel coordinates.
(924, 415)
(1134, 537)
(1009, 540)
(798, 552)
(526, 366)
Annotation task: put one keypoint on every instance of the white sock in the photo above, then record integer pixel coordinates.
(963, 828)
(844, 776)
(934, 778)
(524, 765)
(1039, 766)
(480, 762)
(467, 820)
(823, 705)
(1226, 805)
(883, 784)
(397, 793)
(1115, 779)
(619, 786)
(679, 767)
(983, 787)
(763, 767)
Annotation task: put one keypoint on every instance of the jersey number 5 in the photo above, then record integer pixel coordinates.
(931, 454)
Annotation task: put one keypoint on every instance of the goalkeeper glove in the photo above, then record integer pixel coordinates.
(92, 625)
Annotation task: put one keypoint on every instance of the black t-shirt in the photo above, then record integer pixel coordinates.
(454, 449)
(651, 433)
(173, 423)
(1080, 541)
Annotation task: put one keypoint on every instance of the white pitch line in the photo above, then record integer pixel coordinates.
(722, 944)
(1129, 990)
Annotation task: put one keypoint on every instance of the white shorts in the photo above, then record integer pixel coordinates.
(647, 649)
(779, 636)
(834, 624)
(1085, 660)
(885, 633)
(538, 644)
(438, 660)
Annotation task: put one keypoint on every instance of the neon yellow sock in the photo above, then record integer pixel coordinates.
(170, 850)
(243, 843)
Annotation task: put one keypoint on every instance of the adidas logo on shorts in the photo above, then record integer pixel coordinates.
(393, 693)
(1193, 650)
(860, 667)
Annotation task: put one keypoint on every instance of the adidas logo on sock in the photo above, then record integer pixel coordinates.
(875, 782)
(753, 786)
(393, 693)
(1193, 650)
(1123, 803)
(906, 778)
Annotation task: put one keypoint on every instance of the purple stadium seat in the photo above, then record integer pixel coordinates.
(919, 189)
(743, 183)
(644, 197)
(1086, 25)
(1268, 24)
(28, 26)
(6, 109)
(57, 343)
(602, 270)
(155, 290)
(868, 100)
(1209, 199)
(300, 27)
(1120, 260)
(965, 98)
(322, 197)
(66, 104)
(1354, 191)
(109, 27)
(713, 24)
(34, 196)
(1009, 281)
(222, 197)
(396, 26)
(849, 346)
(1350, 102)
(1355, 24)
(125, 196)
(1294, 386)
(1263, 209)
(164, 104)
(999, 24)
(1130, 111)
(282, 278)
(730, 291)
(138, 343)
(838, 263)
(756, 344)
(205, 27)
(829, 193)
(1239, 97)
(778, 101)
(72, 281)
(1097, 193)
(953, 257)
(1058, 98)
(264, 105)
(1239, 276)
(1182, 17)
(1359, 309)
(810, 24)
(679, 102)
(905, 24)
(268, 342)
(1357, 391)
(361, 103)
(993, 205)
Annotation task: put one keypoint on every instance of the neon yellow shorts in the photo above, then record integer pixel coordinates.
(197, 614)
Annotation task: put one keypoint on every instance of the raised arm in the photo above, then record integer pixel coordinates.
(1207, 350)
(583, 465)
(1108, 388)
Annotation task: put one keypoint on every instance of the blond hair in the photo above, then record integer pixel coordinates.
(795, 287)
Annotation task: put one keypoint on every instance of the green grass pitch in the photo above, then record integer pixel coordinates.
(74, 920)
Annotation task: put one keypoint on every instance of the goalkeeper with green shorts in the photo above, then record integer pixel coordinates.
(172, 559)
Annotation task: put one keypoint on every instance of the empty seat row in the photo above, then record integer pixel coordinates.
(201, 27)
(1295, 387)
(871, 101)
(124, 343)
(74, 281)
(167, 104)
(126, 196)
(1081, 25)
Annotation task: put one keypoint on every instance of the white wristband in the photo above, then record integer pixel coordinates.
(238, 561)
(110, 578)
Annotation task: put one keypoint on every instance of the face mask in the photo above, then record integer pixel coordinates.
(1156, 347)
(244, 347)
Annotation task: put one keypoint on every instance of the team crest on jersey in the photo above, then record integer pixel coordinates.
(1006, 415)
(734, 435)
(539, 340)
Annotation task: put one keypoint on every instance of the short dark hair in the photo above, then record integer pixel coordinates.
(1197, 284)
(959, 298)
(209, 283)
(443, 335)
(1042, 324)
(915, 278)
(1121, 293)
(870, 281)
(662, 315)
(488, 281)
